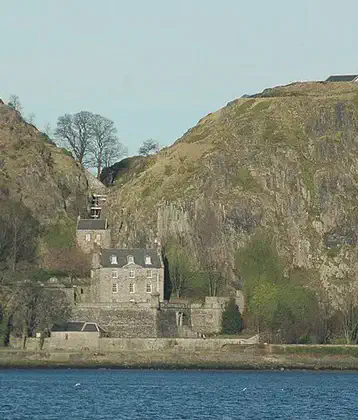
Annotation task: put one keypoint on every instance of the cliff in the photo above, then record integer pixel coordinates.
(36, 173)
(284, 161)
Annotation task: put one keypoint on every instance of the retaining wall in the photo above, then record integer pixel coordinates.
(87, 342)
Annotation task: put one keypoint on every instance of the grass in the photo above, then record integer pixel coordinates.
(260, 107)
(250, 357)
(60, 235)
(316, 350)
(244, 179)
(244, 107)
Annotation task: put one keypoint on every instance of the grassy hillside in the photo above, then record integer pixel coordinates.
(284, 162)
(33, 171)
(43, 182)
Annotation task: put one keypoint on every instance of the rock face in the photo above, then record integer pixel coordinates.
(38, 174)
(284, 161)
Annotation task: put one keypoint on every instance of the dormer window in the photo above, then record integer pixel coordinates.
(130, 259)
(148, 260)
(114, 259)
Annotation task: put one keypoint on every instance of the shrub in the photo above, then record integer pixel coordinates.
(231, 320)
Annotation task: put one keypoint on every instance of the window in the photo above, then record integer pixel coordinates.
(114, 259)
(149, 274)
(98, 238)
(130, 259)
(131, 274)
(148, 261)
(131, 288)
(92, 274)
(114, 288)
(149, 288)
(115, 274)
(88, 237)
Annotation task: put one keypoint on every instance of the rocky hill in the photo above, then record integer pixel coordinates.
(284, 161)
(36, 173)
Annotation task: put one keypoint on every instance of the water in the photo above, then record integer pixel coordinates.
(130, 394)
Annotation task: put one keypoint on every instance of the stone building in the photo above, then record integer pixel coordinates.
(125, 293)
(93, 233)
(128, 275)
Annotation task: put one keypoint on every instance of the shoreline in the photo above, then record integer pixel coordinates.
(257, 359)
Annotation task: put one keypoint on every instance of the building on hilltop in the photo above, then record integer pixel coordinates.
(92, 233)
(128, 275)
(343, 78)
(125, 293)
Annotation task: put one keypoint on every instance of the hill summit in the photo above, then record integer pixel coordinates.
(283, 162)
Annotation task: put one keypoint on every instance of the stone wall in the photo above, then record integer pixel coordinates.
(207, 318)
(154, 319)
(167, 324)
(72, 340)
(121, 321)
(91, 342)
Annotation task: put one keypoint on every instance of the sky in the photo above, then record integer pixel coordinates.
(156, 67)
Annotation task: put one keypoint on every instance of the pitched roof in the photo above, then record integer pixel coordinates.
(91, 224)
(138, 254)
(77, 327)
(68, 326)
(343, 78)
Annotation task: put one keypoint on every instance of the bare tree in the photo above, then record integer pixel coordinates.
(347, 295)
(18, 231)
(72, 262)
(75, 131)
(210, 246)
(149, 147)
(105, 147)
(112, 156)
(180, 266)
(31, 118)
(14, 102)
(92, 139)
(47, 129)
(34, 307)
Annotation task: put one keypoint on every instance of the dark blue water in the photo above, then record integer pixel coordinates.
(119, 394)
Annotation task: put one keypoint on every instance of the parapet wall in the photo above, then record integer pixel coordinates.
(76, 341)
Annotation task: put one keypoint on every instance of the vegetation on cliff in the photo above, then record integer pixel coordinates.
(282, 162)
(42, 191)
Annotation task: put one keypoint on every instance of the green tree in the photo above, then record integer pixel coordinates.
(263, 306)
(259, 262)
(280, 308)
(231, 318)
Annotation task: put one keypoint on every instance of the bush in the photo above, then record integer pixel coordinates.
(280, 308)
(60, 235)
(231, 321)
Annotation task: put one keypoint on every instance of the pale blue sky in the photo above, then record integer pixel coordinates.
(157, 66)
